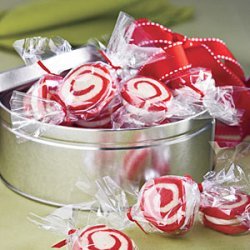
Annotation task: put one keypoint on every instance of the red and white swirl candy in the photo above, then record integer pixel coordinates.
(101, 237)
(35, 102)
(226, 213)
(86, 87)
(168, 203)
(146, 97)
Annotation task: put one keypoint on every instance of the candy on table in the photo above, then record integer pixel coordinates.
(225, 199)
(167, 204)
(102, 237)
(227, 211)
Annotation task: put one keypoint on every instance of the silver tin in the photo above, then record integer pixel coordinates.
(46, 168)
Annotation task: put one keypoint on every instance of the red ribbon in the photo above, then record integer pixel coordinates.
(180, 53)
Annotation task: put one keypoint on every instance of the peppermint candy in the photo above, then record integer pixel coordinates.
(227, 213)
(146, 97)
(86, 87)
(101, 237)
(168, 204)
(35, 103)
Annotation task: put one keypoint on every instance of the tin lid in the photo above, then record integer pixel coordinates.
(20, 76)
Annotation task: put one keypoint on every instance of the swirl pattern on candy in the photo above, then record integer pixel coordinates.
(146, 97)
(167, 204)
(226, 212)
(101, 237)
(86, 86)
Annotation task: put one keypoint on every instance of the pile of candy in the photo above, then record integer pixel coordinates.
(147, 76)
(131, 86)
(166, 205)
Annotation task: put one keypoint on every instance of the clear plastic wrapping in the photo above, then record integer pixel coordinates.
(34, 49)
(195, 91)
(121, 50)
(29, 112)
(64, 221)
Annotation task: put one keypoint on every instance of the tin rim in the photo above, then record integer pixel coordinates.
(109, 137)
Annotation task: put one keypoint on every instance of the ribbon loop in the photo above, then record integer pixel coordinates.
(181, 53)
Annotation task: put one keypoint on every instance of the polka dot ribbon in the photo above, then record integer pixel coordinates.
(179, 53)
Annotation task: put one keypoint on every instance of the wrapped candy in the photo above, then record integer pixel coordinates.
(144, 103)
(103, 237)
(225, 199)
(86, 94)
(89, 237)
(146, 97)
(226, 211)
(86, 87)
(196, 89)
(167, 204)
(28, 111)
(45, 89)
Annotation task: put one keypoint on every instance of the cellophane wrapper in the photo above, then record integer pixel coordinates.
(110, 202)
(80, 232)
(26, 120)
(201, 94)
(225, 199)
(122, 52)
(38, 48)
